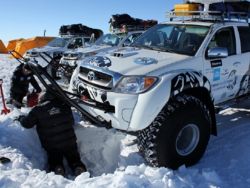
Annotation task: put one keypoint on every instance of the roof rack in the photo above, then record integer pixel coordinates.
(130, 28)
(208, 16)
(73, 35)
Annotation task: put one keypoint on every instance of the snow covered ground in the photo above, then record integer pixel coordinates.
(112, 158)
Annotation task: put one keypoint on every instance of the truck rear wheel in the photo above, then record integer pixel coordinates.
(179, 134)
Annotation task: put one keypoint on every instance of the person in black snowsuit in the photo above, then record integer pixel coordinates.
(54, 124)
(20, 81)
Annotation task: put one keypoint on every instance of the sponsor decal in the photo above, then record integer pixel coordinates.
(224, 72)
(244, 83)
(216, 74)
(99, 61)
(232, 80)
(188, 80)
(145, 61)
(216, 63)
(237, 63)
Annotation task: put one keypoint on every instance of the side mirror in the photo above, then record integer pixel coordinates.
(217, 52)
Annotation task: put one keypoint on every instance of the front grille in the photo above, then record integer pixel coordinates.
(70, 56)
(96, 78)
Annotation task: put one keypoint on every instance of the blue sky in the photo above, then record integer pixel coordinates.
(28, 18)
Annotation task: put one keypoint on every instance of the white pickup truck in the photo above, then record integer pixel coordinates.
(166, 85)
(104, 44)
(55, 50)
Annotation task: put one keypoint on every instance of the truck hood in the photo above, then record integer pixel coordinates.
(135, 61)
(47, 49)
(93, 49)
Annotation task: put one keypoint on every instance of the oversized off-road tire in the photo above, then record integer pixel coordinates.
(178, 135)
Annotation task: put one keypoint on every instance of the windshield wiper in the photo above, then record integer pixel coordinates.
(156, 48)
(143, 46)
(167, 50)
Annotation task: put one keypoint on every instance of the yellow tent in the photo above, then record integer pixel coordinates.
(12, 44)
(27, 44)
(3, 49)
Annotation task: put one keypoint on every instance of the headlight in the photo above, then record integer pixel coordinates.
(72, 56)
(135, 84)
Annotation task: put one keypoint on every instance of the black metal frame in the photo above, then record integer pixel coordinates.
(55, 66)
(54, 88)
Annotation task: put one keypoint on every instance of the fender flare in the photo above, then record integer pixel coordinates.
(171, 84)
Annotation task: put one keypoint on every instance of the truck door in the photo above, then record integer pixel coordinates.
(223, 72)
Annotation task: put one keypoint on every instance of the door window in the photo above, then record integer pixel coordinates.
(224, 38)
(244, 38)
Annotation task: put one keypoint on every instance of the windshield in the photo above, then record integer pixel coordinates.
(182, 39)
(58, 42)
(108, 39)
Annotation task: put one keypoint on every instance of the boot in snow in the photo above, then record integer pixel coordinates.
(59, 170)
(78, 170)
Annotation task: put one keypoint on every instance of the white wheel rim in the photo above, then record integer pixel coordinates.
(187, 139)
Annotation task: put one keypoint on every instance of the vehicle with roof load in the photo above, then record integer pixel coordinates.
(107, 43)
(124, 30)
(56, 47)
(71, 37)
(166, 86)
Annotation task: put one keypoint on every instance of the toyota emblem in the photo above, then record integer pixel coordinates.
(91, 75)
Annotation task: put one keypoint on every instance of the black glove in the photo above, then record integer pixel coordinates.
(19, 118)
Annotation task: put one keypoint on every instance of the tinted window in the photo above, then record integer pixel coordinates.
(244, 38)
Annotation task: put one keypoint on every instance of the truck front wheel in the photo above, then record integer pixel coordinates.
(178, 135)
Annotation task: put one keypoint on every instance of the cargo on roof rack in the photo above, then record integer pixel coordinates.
(120, 23)
(79, 30)
(212, 11)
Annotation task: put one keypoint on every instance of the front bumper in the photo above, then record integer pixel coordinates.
(112, 107)
(131, 112)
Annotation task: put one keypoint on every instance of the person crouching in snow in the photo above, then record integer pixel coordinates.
(20, 81)
(54, 124)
